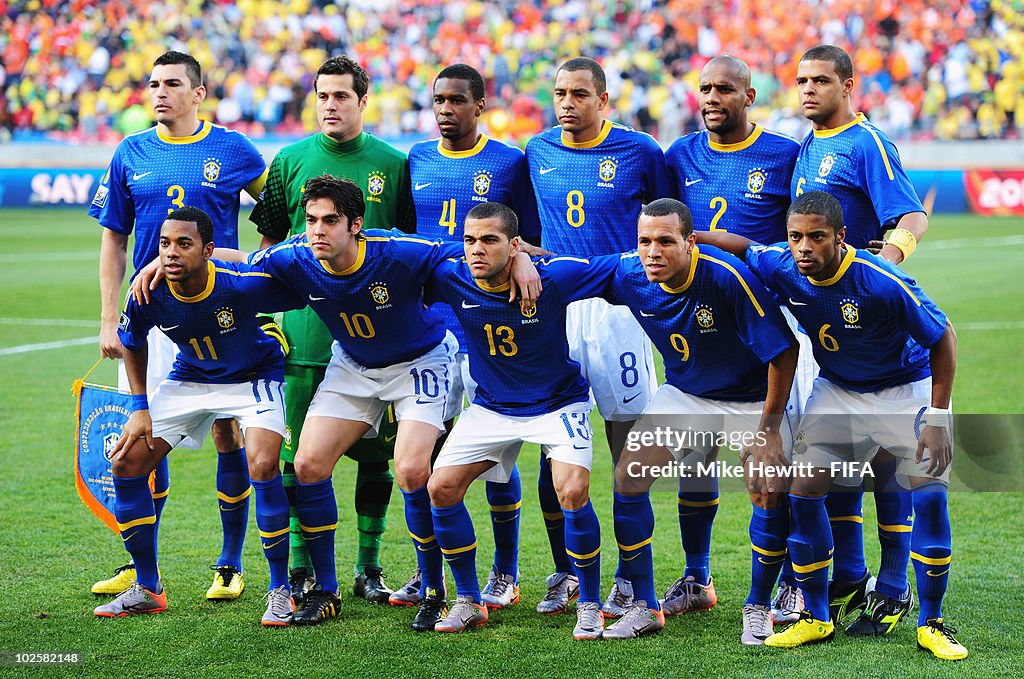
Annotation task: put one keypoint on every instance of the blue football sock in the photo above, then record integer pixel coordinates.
(696, 515)
(272, 522)
(787, 575)
(931, 549)
(457, 539)
(318, 518)
(583, 545)
(161, 489)
(554, 520)
(136, 519)
(810, 548)
(769, 529)
(895, 521)
(233, 497)
(506, 501)
(845, 515)
(421, 528)
(634, 530)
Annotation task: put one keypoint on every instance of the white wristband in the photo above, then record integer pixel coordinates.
(936, 417)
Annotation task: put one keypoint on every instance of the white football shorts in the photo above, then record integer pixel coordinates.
(187, 409)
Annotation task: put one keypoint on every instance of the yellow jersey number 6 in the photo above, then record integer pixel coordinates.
(828, 341)
(574, 214)
(177, 195)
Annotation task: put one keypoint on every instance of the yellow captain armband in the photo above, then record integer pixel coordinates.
(904, 240)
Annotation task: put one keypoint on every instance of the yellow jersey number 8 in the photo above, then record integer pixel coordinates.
(574, 214)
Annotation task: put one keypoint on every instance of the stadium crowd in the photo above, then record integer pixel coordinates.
(938, 69)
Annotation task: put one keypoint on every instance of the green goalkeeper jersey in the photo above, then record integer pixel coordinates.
(382, 172)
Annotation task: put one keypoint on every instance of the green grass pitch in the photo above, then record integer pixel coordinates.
(52, 549)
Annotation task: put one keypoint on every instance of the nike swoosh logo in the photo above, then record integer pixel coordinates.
(315, 299)
(584, 565)
(425, 549)
(796, 303)
(265, 410)
(803, 579)
(389, 439)
(545, 170)
(266, 546)
(129, 537)
(627, 399)
(935, 575)
(509, 520)
(225, 508)
(630, 558)
(646, 315)
(138, 176)
(422, 186)
(579, 447)
(691, 182)
(769, 563)
(168, 328)
(469, 306)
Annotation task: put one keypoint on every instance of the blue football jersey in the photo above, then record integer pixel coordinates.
(589, 195)
(374, 309)
(716, 333)
(219, 340)
(741, 188)
(870, 325)
(151, 175)
(520, 360)
(447, 184)
(858, 165)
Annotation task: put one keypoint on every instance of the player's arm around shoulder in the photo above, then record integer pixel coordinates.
(270, 215)
(580, 278)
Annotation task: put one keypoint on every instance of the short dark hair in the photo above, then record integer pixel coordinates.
(467, 73)
(193, 214)
(664, 207)
(505, 214)
(344, 193)
(818, 203)
(837, 55)
(586, 64)
(192, 68)
(344, 66)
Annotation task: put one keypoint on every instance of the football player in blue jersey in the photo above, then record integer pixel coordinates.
(735, 177)
(591, 178)
(226, 367)
(528, 390)
(181, 160)
(887, 357)
(368, 290)
(729, 364)
(451, 175)
(851, 159)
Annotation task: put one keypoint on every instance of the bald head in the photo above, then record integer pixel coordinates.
(734, 66)
(724, 96)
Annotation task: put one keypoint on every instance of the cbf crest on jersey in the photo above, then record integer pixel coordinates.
(756, 179)
(379, 292)
(528, 312)
(375, 184)
(826, 165)
(482, 183)
(211, 169)
(705, 318)
(225, 317)
(606, 170)
(851, 311)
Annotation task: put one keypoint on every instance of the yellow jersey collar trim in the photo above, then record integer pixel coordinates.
(468, 153)
(694, 256)
(824, 134)
(606, 129)
(360, 258)
(211, 278)
(851, 252)
(204, 129)
(740, 145)
(504, 287)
